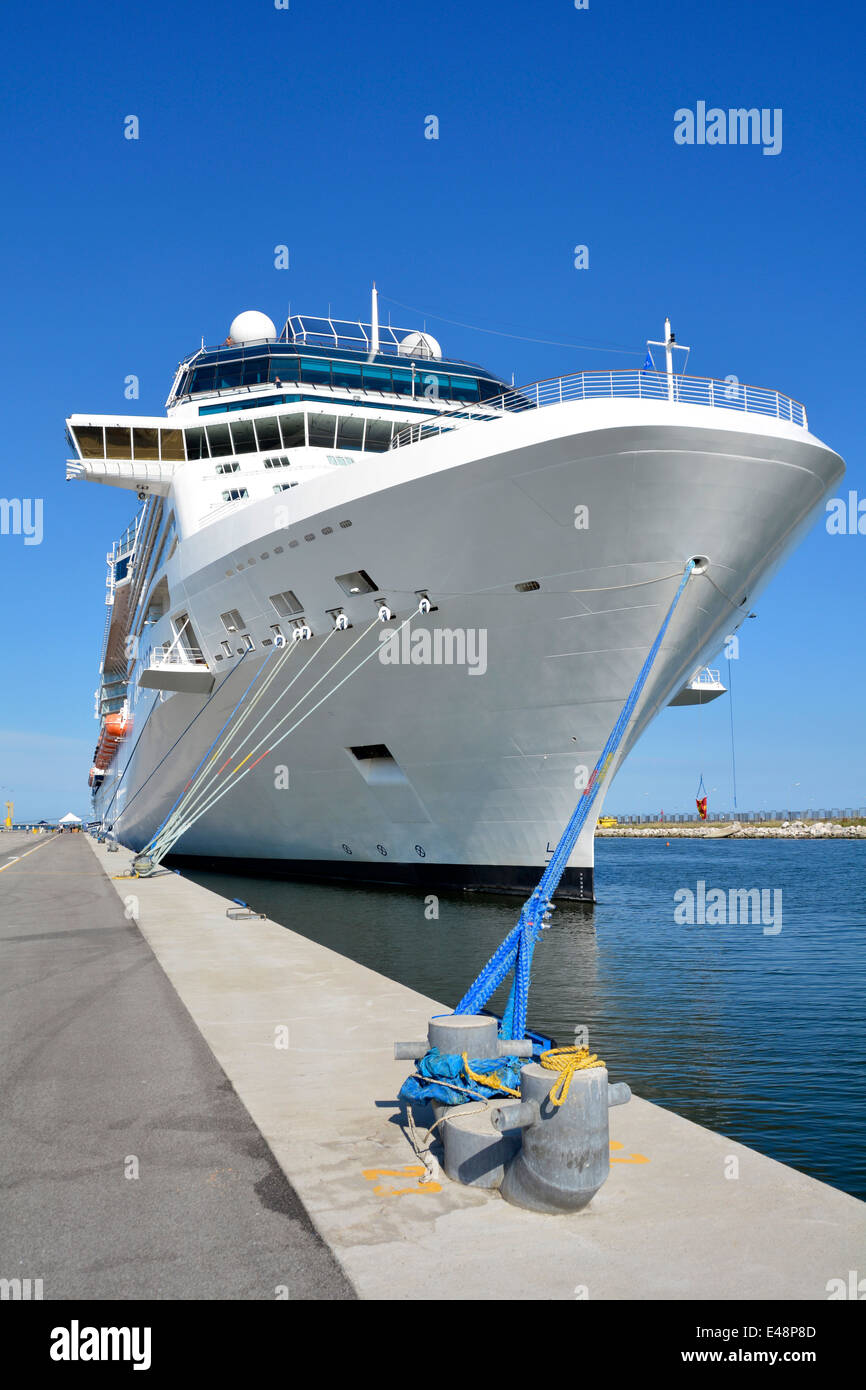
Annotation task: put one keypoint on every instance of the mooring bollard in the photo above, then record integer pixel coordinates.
(475, 1153)
(475, 1034)
(565, 1154)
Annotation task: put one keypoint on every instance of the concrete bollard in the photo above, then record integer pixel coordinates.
(565, 1154)
(475, 1034)
(476, 1154)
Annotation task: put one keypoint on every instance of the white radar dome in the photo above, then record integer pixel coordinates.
(251, 327)
(419, 345)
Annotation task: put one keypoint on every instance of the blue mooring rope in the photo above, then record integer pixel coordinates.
(515, 952)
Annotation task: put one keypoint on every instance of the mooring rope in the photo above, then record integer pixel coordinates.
(196, 790)
(191, 812)
(515, 952)
(567, 1060)
(212, 752)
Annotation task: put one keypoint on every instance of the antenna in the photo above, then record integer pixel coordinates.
(374, 321)
(669, 343)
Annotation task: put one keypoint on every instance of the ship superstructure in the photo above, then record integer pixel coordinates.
(338, 477)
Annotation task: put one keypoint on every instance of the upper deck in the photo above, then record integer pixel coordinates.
(337, 355)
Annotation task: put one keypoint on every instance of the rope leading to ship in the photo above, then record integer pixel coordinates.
(209, 784)
(179, 738)
(515, 952)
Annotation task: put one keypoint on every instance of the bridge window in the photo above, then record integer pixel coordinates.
(145, 443)
(229, 375)
(196, 444)
(243, 437)
(378, 436)
(203, 379)
(347, 375)
(89, 441)
(268, 433)
(117, 444)
(315, 371)
(294, 431)
(172, 445)
(322, 431)
(350, 432)
(219, 440)
(377, 379)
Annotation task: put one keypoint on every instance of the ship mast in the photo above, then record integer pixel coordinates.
(669, 343)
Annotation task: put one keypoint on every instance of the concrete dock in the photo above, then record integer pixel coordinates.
(251, 1072)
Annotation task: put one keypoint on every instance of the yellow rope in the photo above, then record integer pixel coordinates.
(567, 1060)
(493, 1080)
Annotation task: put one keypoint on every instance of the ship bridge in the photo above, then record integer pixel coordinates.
(337, 355)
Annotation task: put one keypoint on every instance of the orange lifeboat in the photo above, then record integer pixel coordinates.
(115, 728)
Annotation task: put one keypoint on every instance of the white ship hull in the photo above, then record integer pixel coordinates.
(487, 764)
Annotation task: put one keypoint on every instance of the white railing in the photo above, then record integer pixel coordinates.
(601, 385)
(156, 657)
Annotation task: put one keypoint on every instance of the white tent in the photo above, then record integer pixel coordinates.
(69, 819)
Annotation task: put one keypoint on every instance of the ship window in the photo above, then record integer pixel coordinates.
(172, 444)
(347, 375)
(350, 432)
(196, 443)
(358, 582)
(219, 440)
(528, 586)
(232, 622)
(117, 444)
(255, 371)
(228, 375)
(294, 431)
(203, 379)
(243, 437)
(286, 368)
(433, 386)
(287, 604)
(145, 443)
(378, 437)
(489, 389)
(232, 467)
(464, 389)
(235, 494)
(268, 433)
(278, 461)
(316, 372)
(90, 442)
(404, 383)
(377, 379)
(283, 487)
(322, 431)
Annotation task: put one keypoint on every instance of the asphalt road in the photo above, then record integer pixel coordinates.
(103, 1075)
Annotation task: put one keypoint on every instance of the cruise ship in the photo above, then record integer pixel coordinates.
(379, 610)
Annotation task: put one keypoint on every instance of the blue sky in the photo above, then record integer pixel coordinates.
(305, 127)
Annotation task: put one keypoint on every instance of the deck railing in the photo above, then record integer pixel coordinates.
(600, 385)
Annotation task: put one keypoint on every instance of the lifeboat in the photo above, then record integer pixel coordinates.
(115, 728)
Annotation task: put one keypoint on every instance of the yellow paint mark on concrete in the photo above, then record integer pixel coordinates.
(632, 1158)
(411, 1171)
